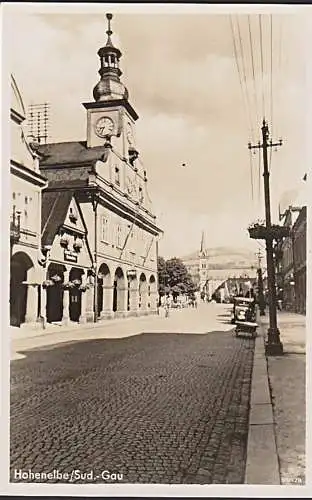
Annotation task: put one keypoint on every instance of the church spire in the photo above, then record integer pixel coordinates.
(203, 245)
(109, 87)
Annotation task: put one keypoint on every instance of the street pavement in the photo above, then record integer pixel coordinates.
(157, 407)
(207, 318)
(287, 381)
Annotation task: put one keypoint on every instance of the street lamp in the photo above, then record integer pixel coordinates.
(94, 197)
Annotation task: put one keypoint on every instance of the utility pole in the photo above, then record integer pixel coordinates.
(273, 345)
(261, 301)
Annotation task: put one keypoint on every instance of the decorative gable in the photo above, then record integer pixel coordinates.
(73, 220)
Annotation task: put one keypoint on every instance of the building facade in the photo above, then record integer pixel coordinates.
(300, 260)
(25, 215)
(109, 183)
(290, 260)
(67, 260)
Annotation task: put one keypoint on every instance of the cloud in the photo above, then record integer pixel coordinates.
(182, 79)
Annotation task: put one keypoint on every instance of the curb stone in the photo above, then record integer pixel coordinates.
(262, 465)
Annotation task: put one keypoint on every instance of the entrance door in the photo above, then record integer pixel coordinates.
(54, 303)
(74, 304)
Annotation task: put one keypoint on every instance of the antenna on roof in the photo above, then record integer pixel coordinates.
(38, 122)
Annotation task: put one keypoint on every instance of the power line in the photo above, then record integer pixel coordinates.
(271, 83)
(245, 98)
(253, 67)
(271, 69)
(244, 73)
(259, 177)
(251, 176)
(261, 56)
(279, 63)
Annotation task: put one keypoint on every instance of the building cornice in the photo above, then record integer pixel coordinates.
(27, 174)
(109, 201)
(115, 102)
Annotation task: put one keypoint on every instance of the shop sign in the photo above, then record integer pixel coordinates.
(70, 256)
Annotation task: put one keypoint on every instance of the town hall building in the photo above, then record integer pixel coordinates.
(100, 235)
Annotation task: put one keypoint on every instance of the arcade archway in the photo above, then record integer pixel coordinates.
(55, 292)
(152, 293)
(143, 293)
(75, 277)
(21, 270)
(119, 296)
(104, 284)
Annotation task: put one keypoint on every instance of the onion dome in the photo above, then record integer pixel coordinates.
(109, 87)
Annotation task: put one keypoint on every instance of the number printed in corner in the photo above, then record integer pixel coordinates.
(297, 480)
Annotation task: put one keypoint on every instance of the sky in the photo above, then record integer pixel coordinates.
(182, 78)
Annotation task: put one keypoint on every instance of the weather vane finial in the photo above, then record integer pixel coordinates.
(109, 17)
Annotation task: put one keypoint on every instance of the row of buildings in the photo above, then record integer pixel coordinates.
(83, 236)
(291, 260)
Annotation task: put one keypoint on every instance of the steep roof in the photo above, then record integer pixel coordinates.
(16, 99)
(54, 209)
(70, 152)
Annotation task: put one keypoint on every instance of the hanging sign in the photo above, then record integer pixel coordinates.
(70, 256)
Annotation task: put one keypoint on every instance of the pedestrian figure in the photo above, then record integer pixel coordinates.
(167, 307)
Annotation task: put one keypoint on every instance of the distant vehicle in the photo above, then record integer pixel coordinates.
(244, 315)
(244, 309)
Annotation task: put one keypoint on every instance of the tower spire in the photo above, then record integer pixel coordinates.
(109, 32)
(109, 87)
(203, 245)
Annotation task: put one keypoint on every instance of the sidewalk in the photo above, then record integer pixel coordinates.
(188, 320)
(286, 375)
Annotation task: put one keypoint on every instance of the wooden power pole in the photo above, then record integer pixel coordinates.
(273, 345)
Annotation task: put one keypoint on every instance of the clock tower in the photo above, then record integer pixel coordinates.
(111, 116)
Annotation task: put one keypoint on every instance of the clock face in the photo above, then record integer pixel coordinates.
(104, 126)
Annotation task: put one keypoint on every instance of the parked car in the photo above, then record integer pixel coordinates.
(244, 309)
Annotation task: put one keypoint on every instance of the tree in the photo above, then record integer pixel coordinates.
(173, 277)
(177, 272)
(162, 276)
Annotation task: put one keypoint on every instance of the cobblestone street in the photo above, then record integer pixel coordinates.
(160, 408)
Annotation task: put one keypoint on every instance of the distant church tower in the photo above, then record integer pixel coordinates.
(203, 250)
(203, 264)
